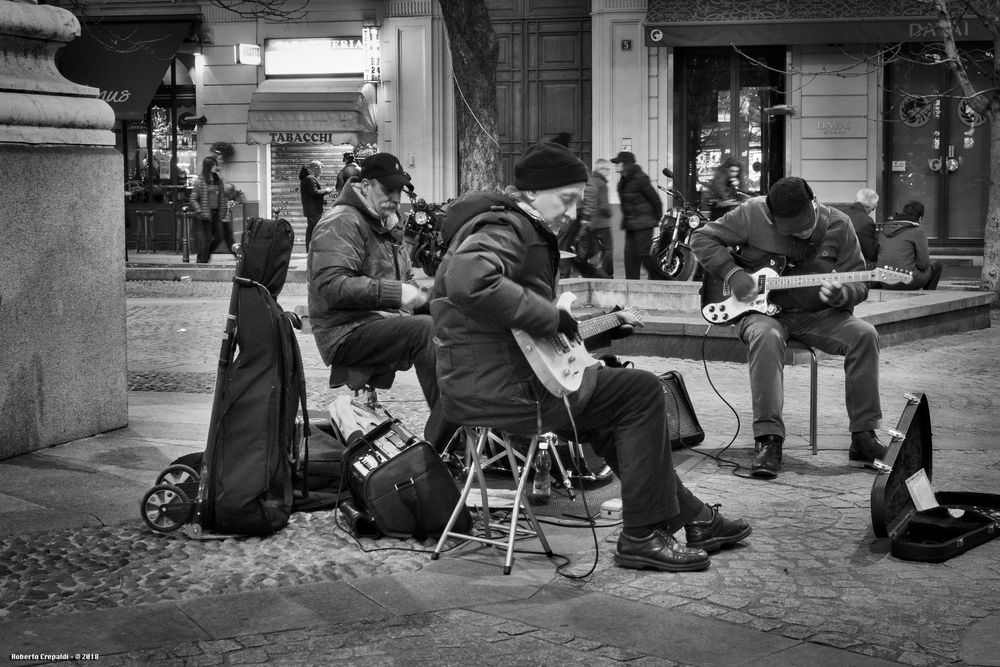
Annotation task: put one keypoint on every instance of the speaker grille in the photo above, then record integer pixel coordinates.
(683, 428)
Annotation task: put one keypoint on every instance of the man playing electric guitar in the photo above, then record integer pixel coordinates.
(499, 275)
(812, 239)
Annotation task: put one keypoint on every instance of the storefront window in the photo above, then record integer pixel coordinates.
(716, 124)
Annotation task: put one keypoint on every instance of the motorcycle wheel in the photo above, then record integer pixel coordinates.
(681, 265)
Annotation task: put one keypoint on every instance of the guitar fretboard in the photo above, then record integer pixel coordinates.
(790, 282)
(599, 324)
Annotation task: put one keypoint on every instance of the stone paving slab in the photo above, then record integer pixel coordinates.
(812, 574)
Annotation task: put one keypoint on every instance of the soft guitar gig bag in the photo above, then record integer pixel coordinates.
(247, 471)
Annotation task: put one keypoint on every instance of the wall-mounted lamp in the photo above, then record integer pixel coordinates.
(780, 110)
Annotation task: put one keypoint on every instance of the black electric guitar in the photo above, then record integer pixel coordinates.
(559, 361)
(720, 306)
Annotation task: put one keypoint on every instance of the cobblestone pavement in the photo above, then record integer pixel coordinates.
(812, 570)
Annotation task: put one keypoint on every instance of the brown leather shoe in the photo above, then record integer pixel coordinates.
(767, 461)
(716, 533)
(866, 448)
(659, 551)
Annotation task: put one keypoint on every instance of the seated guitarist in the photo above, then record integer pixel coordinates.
(500, 273)
(790, 225)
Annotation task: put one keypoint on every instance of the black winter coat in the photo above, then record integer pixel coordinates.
(641, 206)
(499, 274)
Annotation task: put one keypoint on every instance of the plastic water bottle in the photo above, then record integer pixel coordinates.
(541, 481)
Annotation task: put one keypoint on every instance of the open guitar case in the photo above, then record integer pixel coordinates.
(933, 535)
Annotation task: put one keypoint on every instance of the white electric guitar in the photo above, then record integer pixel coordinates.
(559, 361)
(718, 309)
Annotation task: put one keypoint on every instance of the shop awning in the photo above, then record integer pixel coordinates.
(804, 31)
(311, 111)
(126, 60)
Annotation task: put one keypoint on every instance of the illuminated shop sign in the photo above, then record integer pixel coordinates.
(333, 56)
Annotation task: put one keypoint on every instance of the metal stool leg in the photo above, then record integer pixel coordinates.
(813, 399)
(519, 504)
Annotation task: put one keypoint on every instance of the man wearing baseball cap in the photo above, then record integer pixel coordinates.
(791, 226)
(362, 293)
(500, 273)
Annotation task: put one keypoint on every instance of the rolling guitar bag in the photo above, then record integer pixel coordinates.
(962, 520)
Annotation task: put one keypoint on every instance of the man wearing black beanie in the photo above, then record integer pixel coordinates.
(500, 273)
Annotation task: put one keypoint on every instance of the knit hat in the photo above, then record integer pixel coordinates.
(790, 202)
(385, 168)
(546, 165)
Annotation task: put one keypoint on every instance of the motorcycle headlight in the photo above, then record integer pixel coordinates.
(694, 221)
(421, 217)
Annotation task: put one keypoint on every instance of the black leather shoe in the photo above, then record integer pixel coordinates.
(865, 449)
(767, 461)
(659, 551)
(716, 533)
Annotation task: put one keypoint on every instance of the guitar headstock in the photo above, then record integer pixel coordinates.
(892, 276)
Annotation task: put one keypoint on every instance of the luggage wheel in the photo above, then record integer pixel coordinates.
(181, 476)
(165, 508)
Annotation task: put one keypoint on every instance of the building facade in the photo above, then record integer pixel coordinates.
(847, 94)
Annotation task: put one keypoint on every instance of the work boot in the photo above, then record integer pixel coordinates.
(767, 461)
(866, 448)
(715, 532)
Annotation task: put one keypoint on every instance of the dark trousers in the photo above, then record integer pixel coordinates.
(830, 330)
(311, 221)
(227, 233)
(400, 342)
(601, 242)
(211, 236)
(625, 420)
(637, 255)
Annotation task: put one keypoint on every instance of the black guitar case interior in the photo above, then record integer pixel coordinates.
(932, 535)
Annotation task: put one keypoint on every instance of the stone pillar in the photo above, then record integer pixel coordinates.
(62, 264)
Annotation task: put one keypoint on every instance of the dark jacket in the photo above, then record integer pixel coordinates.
(751, 227)
(902, 244)
(596, 209)
(312, 193)
(864, 228)
(498, 274)
(356, 270)
(641, 206)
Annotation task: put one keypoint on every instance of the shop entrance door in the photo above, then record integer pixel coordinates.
(938, 153)
(715, 123)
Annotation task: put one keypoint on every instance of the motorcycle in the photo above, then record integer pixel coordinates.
(422, 232)
(671, 248)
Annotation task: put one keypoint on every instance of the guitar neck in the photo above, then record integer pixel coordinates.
(599, 324)
(791, 282)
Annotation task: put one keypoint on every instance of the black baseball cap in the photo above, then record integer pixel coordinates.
(626, 157)
(790, 201)
(386, 169)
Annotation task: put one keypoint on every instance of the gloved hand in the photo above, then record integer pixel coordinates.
(743, 286)
(567, 324)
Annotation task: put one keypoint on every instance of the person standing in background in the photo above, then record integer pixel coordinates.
(594, 237)
(208, 202)
(641, 212)
(348, 171)
(313, 196)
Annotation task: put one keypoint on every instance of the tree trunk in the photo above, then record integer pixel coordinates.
(474, 57)
(991, 233)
